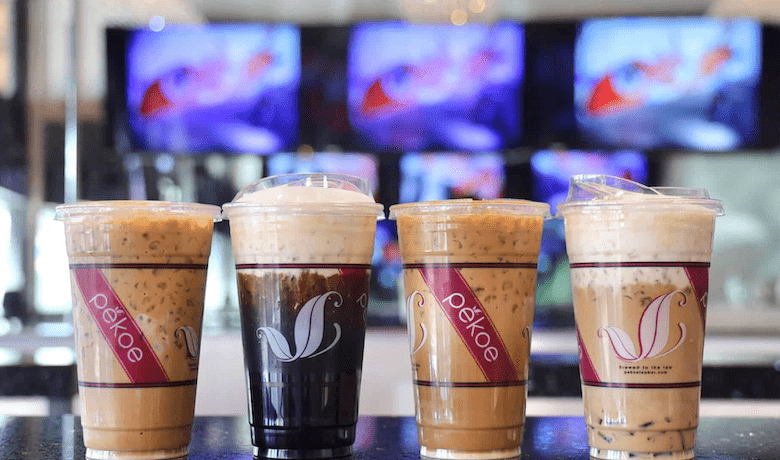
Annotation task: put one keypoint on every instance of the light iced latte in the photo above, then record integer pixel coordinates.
(639, 269)
(470, 278)
(138, 273)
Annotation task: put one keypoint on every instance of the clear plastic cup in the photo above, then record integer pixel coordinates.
(469, 281)
(138, 277)
(639, 270)
(303, 245)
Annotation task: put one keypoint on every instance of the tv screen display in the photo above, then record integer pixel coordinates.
(659, 83)
(429, 177)
(324, 121)
(551, 171)
(356, 164)
(225, 88)
(415, 87)
(549, 84)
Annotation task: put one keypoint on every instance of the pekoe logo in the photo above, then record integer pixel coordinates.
(474, 320)
(653, 331)
(309, 330)
(410, 304)
(468, 317)
(190, 336)
(114, 319)
(120, 330)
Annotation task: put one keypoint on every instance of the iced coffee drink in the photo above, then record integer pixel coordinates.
(470, 278)
(303, 245)
(138, 274)
(639, 270)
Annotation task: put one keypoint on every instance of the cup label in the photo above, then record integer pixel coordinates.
(314, 301)
(650, 334)
(118, 327)
(454, 298)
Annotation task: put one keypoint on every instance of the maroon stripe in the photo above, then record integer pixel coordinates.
(182, 383)
(426, 383)
(304, 266)
(590, 383)
(638, 264)
(472, 265)
(139, 266)
(119, 328)
(472, 323)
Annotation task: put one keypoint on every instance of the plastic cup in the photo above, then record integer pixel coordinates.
(469, 280)
(639, 270)
(138, 277)
(303, 266)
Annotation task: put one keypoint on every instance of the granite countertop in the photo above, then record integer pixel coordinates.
(214, 438)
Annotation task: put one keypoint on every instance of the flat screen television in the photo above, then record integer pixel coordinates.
(187, 89)
(551, 171)
(669, 83)
(418, 87)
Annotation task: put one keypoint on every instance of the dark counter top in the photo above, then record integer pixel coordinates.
(214, 438)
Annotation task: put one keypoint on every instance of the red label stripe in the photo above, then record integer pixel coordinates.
(182, 383)
(530, 266)
(118, 327)
(471, 322)
(427, 383)
(641, 385)
(638, 264)
(141, 266)
(304, 266)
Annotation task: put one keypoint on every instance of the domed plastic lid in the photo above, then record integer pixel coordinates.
(595, 191)
(315, 193)
(469, 206)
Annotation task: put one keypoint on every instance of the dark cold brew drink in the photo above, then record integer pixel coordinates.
(303, 247)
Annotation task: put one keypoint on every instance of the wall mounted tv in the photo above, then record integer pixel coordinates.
(417, 87)
(205, 88)
(671, 83)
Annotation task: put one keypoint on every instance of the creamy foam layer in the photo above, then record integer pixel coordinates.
(295, 194)
(262, 236)
(610, 224)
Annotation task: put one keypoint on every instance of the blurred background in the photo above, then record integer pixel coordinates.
(191, 100)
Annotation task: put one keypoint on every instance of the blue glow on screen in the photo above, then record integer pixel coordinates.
(432, 176)
(228, 88)
(414, 87)
(668, 82)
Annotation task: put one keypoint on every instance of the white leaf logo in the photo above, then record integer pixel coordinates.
(191, 339)
(309, 331)
(410, 321)
(653, 332)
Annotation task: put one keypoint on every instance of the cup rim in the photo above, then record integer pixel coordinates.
(83, 208)
(509, 206)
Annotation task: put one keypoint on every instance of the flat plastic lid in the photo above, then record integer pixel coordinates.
(591, 191)
(274, 195)
(96, 208)
(469, 206)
